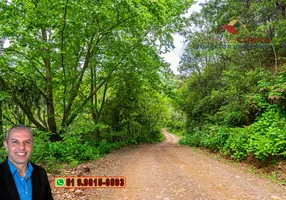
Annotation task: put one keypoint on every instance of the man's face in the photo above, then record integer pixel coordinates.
(19, 146)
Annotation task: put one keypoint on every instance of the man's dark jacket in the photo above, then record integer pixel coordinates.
(41, 189)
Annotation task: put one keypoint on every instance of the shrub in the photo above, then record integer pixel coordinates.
(196, 139)
(237, 143)
(264, 138)
(268, 135)
(71, 148)
(217, 138)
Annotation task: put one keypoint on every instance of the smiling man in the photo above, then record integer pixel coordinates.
(19, 178)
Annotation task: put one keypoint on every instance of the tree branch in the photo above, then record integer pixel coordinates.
(25, 56)
(25, 109)
(62, 55)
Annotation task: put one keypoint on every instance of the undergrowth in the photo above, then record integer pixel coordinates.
(263, 139)
(74, 149)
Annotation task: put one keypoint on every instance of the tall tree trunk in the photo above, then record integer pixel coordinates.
(93, 100)
(49, 91)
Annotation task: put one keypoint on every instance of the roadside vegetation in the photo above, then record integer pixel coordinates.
(87, 76)
(233, 95)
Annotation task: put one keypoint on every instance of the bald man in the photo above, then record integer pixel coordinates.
(19, 178)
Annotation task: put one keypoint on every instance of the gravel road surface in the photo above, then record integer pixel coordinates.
(169, 171)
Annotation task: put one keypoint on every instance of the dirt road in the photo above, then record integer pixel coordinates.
(168, 171)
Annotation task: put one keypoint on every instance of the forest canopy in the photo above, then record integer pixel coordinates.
(69, 62)
(87, 75)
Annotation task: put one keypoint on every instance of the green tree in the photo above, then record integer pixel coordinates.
(233, 94)
(63, 54)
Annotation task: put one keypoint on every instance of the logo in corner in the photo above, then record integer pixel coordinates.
(232, 28)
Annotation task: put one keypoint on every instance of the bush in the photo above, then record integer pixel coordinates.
(264, 138)
(71, 149)
(268, 135)
(105, 147)
(196, 139)
(237, 144)
(217, 138)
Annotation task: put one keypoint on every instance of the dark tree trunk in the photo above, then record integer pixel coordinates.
(49, 92)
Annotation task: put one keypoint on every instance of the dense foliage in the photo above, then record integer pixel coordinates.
(234, 91)
(86, 75)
